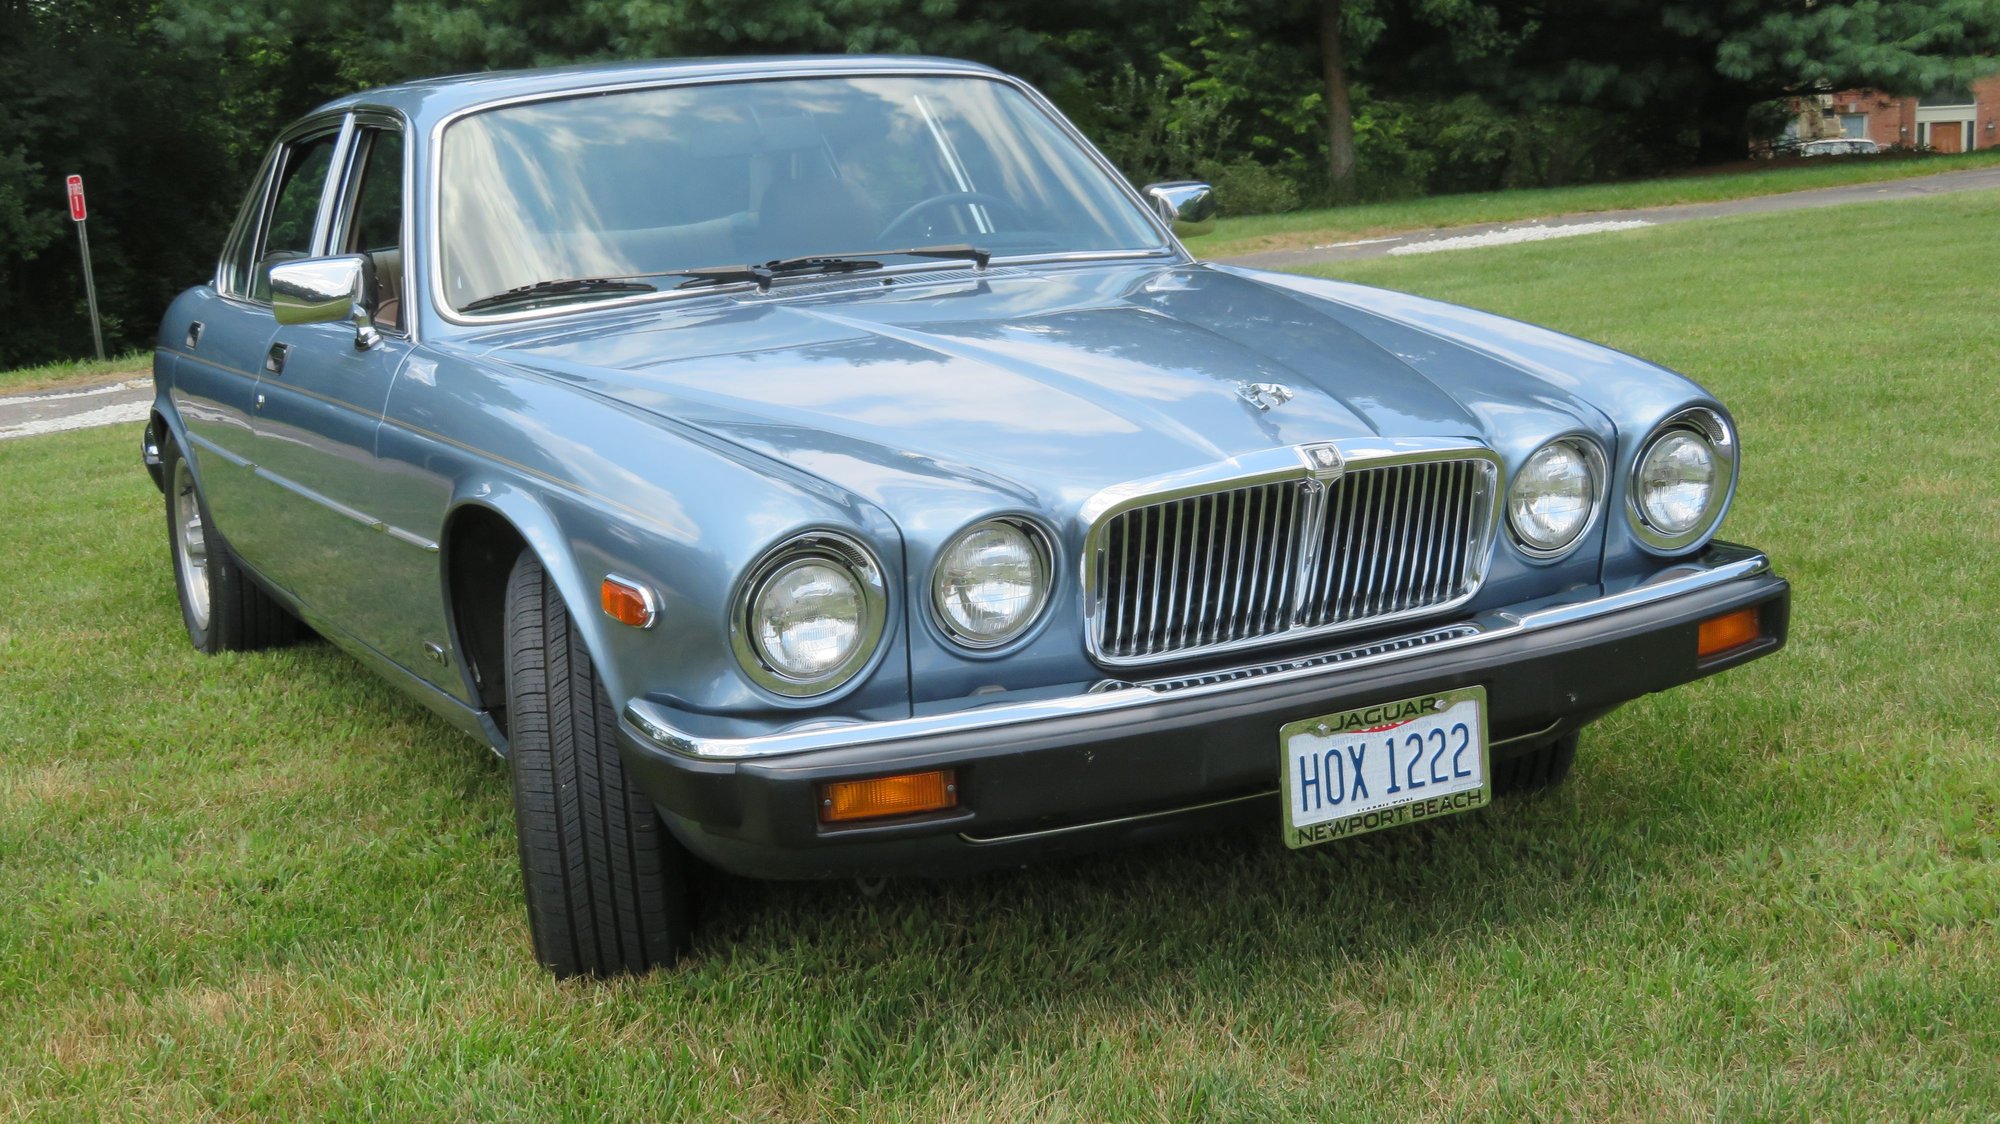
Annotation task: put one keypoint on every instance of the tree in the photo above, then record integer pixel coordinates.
(90, 87)
(1695, 70)
(1289, 68)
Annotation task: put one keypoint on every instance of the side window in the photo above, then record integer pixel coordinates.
(239, 254)
(373, 223)
(289, 234)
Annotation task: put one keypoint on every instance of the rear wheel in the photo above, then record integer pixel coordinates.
(1542, 767)
(606, 884)
(224, 608)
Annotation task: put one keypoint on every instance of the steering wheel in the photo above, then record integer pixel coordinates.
(947, 199)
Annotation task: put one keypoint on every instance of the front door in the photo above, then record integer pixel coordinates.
(319, 404)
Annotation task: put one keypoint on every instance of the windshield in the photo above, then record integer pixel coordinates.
(647, 183)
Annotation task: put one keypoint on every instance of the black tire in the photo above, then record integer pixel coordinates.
(223, 607)
(606, 884)
(1543, 767)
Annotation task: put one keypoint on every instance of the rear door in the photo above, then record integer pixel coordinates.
(227, 338)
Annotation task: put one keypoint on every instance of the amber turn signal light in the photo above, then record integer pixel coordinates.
(628, 602)
(1731, 630)
(902, 795)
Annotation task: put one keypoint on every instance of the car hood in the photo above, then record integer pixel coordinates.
(1045, 385)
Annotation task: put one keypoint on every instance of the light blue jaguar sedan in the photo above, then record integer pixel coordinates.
(832, 467)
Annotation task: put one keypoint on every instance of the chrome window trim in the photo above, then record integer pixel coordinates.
(1272, 466)
(255, 224)
(329, 192)
(1714, 424)
(1600, 467)
(863, 564)
(652, 723)
(247, 225)
(381, 117)
(434, 187)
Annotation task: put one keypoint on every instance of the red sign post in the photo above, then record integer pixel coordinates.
(73, 186)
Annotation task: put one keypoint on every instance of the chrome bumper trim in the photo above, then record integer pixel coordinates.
(1723, 564)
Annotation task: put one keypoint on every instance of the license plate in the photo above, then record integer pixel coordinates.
(1373, 767)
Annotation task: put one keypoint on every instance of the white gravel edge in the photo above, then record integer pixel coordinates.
(1513, 234)
(115, 414)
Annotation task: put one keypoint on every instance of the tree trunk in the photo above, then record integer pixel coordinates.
(1722, 124)
(1339, 109)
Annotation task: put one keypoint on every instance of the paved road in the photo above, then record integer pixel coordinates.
(1486, 234)
(52, 411)
(26, 415)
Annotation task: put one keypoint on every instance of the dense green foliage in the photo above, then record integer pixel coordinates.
(165, 105)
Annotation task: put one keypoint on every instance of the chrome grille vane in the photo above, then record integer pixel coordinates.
(1330, 546)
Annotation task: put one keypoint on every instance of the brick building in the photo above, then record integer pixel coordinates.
(1949, 121)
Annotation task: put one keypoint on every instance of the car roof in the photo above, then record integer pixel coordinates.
(432, 98)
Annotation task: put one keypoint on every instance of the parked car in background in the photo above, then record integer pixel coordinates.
(831, 466)
(1838, 146)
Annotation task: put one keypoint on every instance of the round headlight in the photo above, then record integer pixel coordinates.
(812, 615)
(990, 583)
(1682, 478)
(1676, 478)
(1554, 496)
(807, 618)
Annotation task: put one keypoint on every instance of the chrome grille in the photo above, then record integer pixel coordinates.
(1326, 659)
(1277, 559)
(1395, 540)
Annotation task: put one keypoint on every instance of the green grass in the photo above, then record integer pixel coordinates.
(1299, 229)
(265, 886)
(23, 380)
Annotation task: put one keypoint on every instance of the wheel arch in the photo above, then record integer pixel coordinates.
(485, 531)
(149, 447)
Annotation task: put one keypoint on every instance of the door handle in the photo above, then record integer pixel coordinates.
(274, 362)
(194, 334)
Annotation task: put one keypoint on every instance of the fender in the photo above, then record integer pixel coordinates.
(532, 521)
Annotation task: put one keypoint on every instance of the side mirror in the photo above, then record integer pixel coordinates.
(326, 291)
(1187, 206)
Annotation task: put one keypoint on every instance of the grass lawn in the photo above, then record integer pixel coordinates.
(264, 886)
(1299, 229)
(82, 372)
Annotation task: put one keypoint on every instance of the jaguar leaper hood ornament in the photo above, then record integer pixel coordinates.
(1264, 395)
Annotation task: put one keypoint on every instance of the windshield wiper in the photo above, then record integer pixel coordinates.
(764, 274)
(771, 270)
(561, 287)
(974, 254)
(848, 263)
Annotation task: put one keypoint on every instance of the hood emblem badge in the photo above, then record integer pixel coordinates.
(1264, 395)
(1323, 461)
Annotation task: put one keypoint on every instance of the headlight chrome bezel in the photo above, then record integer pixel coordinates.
(1714, 428)
(827, 547)
(1595, 462)
(1040, 541)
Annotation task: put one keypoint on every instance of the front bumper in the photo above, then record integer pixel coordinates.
(1124, 762)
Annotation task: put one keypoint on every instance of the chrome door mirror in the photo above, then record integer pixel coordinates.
(326, 291)
(1186, 205)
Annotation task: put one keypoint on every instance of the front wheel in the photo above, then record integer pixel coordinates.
(605, 882)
